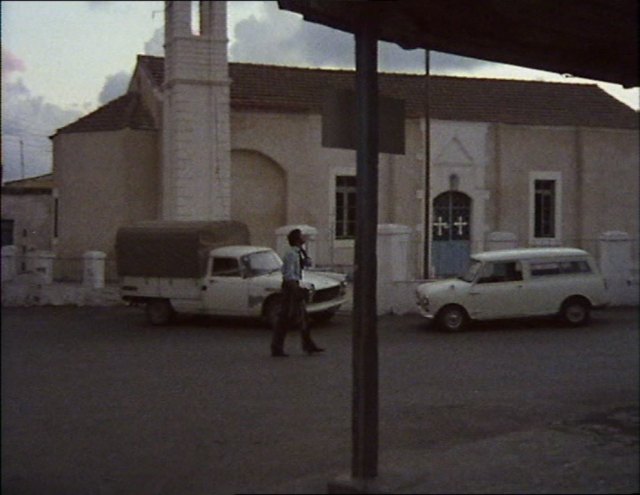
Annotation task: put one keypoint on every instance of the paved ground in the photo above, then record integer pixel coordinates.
(94, 401)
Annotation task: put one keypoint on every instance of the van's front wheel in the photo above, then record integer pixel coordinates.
(452, 318)
(159, 311)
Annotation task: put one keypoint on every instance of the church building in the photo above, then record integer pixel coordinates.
(198, 138)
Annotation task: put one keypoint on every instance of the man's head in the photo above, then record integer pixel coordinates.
(295, 238)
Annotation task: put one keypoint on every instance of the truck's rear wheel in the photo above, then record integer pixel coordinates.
(272, 312)
(159, 312)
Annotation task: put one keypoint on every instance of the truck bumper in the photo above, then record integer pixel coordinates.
(332, 305)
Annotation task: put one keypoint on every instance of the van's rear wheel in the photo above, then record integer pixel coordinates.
(159, 312)
(575, 312)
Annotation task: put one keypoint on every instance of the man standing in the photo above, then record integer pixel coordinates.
(292, 313)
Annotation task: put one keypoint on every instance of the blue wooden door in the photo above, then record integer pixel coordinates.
(451, 229)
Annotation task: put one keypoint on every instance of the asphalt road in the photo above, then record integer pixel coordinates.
(95, 401)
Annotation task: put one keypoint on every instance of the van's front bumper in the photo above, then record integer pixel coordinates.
(426, 314)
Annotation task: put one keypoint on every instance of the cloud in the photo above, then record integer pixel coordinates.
(11, 63)
(28, 119)
(155, 46)
(276, 36)
(99, 4)
(115, 85)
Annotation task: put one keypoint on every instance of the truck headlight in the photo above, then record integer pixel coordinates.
(311, 290)
(422, 300)
(343, 288)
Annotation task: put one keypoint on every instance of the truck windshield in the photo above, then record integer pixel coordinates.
(472, 271)
(261, 263)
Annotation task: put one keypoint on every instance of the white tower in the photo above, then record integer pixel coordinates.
(196, 138)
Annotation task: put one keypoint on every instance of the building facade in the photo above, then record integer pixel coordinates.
(545, 163)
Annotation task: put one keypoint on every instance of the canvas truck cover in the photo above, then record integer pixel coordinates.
(173, 248)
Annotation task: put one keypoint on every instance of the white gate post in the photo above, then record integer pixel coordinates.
(9, 262)
(394, 242)
(615, 264)
(93, 275)
(43, 264)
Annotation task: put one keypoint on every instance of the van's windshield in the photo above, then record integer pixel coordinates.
(472, 271)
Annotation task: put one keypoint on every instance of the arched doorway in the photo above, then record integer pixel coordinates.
(451, 229)
(258, 195)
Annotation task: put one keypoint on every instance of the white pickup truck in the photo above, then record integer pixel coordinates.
(210, 268)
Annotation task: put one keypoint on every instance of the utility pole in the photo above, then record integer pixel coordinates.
(22, 158)
(427, 166)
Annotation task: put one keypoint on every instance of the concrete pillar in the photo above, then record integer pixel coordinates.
(501, 240)
(93, 276)
(311, 233)
(196, 160)
(616, 264)
(9, 263)
(393, 250)
(43, 265)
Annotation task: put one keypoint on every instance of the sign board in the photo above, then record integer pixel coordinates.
(339, 122)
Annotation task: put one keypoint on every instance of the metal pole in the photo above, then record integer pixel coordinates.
(22, 158)
(427, 166)
(365, 343)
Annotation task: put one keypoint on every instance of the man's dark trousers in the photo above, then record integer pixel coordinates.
(292, 316)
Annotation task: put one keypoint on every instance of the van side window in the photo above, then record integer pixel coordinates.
(225, 267)
(543, 269)
(575, 267)
(501, 272)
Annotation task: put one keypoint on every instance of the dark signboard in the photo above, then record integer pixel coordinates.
(339, 122)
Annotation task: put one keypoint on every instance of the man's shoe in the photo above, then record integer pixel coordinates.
(279, 354)
(311, 350)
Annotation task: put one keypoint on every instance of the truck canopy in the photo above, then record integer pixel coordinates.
(173, 248)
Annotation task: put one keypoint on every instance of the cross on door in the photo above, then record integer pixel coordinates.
(440, 225)
(460, 223)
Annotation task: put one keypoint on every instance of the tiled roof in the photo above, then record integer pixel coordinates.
(293, 89)
(128, 111)
(38, 184)
(509, 101)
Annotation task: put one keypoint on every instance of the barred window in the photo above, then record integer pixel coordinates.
(545, 209)
(345, 207)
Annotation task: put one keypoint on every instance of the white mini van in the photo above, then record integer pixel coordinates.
(517, 283)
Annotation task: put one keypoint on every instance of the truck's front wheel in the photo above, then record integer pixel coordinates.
(159, 312)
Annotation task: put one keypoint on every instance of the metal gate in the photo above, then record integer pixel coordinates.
(451, 229)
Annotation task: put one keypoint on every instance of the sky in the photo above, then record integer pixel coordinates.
(63, 60)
